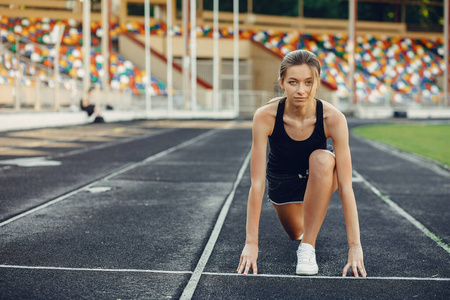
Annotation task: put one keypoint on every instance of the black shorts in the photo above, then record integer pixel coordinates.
(286, 188)
(89, 109)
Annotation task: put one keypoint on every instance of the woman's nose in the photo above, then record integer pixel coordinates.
(301, 88)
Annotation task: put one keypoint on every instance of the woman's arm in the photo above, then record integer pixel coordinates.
(336, 127)
(261, 131)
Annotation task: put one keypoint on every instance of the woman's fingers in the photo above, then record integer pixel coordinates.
(241, 265)
(344, 272)
(355, 268)
(362, 270)
(245, 266)
(248, 259)
(249, 266)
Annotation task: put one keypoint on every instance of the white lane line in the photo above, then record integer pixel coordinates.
(92, 269)
(192, 284)
(403, 213)
(217, 274)
(356, 178)
(160, 154)
(104, 145)
(120, 171)
(330, 277)
(59, 199)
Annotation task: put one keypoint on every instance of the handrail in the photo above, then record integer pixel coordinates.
(176, 66)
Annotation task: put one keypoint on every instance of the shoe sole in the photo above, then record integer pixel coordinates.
(307, 273)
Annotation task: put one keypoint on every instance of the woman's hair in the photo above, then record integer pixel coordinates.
(300, 57)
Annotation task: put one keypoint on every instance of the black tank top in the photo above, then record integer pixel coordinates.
(288, 156)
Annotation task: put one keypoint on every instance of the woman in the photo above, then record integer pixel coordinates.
(302, 172)
(90, 108)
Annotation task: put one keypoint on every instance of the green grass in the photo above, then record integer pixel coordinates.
(432, 141)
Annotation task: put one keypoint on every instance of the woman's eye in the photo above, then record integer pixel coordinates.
(292, 82)
(309, 82)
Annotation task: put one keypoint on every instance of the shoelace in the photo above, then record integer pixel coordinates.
(306, 256)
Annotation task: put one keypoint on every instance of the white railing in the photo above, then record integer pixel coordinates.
(206, 106)
(39, 96)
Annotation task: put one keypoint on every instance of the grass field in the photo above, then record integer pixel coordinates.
(432, 141)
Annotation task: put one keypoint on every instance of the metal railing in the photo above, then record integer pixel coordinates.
(19, 95)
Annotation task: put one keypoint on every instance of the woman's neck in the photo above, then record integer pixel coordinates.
(302, 112)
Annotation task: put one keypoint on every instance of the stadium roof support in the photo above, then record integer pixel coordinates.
(236, 55)
(351, 45)
(193, 49)
(169, 19)
(446, 42)
(216, 61)
(148, 72)
(86, 44)
(59, 35)
(185, 21)
(106, 43)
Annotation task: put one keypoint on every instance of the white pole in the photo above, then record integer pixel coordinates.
(86, 45)
(17, 76)
(185, 11)
(148, 86)
(351, 50)
(236, 56)
(193, 45)
(60, 32)
(216, 55)
(446, 37)
(169, 58)
(105, 44)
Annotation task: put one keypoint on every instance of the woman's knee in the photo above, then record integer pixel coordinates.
(295, 236)
(321, 163)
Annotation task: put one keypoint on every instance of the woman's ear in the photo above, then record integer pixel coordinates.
(281, 84)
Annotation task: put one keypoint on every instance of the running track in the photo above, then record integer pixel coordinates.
(157, 210)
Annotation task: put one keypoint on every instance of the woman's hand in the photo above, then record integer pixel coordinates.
(355, 261)
(248, 259)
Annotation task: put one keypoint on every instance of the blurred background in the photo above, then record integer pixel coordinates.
(220, 59)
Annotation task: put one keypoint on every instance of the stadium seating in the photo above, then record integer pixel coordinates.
(395, 68)
(36, 48)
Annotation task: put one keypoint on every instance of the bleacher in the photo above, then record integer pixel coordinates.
(399, 67)
(403, 67)
(36, 56)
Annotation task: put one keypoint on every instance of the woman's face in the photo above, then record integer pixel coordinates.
(299, 84)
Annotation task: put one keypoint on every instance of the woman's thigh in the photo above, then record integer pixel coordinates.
(291, 218)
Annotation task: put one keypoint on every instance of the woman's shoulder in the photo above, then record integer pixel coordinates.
(276, 100)
(331, 114)
(334, 120)
(266, 114)
(270, 109)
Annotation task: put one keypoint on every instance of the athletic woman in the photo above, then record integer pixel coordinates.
(302, 171)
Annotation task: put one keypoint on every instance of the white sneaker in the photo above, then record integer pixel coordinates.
(306, 260)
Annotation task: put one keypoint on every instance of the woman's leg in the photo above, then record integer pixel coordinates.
(291, 218)
(322, 182)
